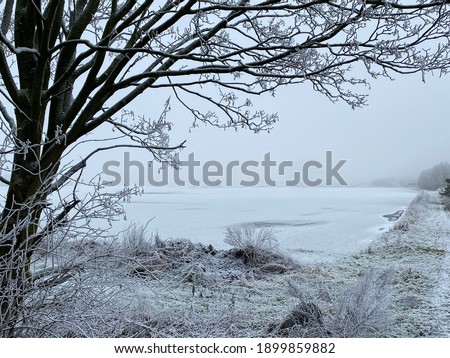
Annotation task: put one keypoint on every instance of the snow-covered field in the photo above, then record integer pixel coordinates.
(328, 222)
(142, 286)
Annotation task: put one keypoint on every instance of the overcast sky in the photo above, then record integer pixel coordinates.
(404, 129)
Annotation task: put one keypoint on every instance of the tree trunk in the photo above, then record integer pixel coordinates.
(14, 275)
(18, 228)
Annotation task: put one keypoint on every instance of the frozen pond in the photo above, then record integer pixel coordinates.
(329, 221)
(312, 223)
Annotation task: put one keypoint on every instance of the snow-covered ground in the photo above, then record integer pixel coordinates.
(416, 251)
(146, 287)
(320, 222)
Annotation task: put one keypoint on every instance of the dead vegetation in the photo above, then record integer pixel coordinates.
(359, 309)
(258, 248)
(117, 288)
(142, 286)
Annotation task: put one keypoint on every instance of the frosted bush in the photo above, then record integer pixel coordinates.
(258, 245)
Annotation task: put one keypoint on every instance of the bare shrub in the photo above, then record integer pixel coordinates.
(258, 246)
(305, 319)
(362, 310)
(74, 293)
(145, 254)
(136, 241)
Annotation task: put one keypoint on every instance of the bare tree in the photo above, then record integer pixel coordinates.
(434, 178)
(70, 67)
(442, 173)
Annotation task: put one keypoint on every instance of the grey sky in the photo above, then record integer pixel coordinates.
(404, 129)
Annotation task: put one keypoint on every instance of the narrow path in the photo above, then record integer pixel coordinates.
(442, 292)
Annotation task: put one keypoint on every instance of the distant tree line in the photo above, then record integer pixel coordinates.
(434, 178)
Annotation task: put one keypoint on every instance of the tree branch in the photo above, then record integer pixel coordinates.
(4, 181)
(9, 119)
(82, 164)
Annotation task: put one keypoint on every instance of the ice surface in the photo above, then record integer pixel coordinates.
(326, 222)
(330, 221)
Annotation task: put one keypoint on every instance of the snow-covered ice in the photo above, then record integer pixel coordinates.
(314, 222)
(327, 221)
